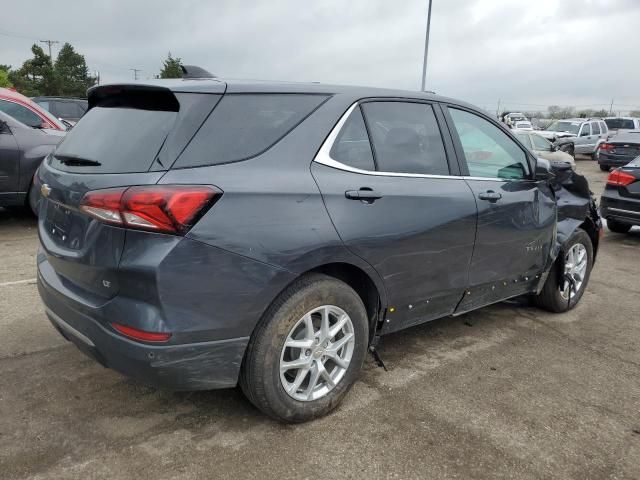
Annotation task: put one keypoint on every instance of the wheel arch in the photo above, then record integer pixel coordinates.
(372, 295)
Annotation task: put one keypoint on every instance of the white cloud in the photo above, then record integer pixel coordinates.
(577, 52)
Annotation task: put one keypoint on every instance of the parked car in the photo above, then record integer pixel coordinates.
(619, 150)
(510, 118)
(200, 233)
(27, 111)
(67, 109)
(621, 124)
(22, 149)
(620, 201)
(523, 125)
(587, 133)
(541, 147)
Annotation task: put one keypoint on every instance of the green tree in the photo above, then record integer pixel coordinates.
(634, 113)
(171, 68)
(4, 79)
(72, 74)
(36, 76)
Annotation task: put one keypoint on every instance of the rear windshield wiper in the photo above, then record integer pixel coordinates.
(77, 161)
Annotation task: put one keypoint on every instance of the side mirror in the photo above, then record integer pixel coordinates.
(4, 128)
(543, 169)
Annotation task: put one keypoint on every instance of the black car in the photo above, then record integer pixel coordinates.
(64, 108)
(619, 150)
(22, 149)
(620, 201)
(200, 233)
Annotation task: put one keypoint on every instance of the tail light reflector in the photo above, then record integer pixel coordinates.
(141, 334)
(618, 178)
(160, 208)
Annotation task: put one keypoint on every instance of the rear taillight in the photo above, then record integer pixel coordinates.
(618, 178)
(159, 208)
(607, 147)
(141, 334)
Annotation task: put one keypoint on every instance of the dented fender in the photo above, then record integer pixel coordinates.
(576, 208)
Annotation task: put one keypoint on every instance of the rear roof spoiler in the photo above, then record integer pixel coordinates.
(192, 71)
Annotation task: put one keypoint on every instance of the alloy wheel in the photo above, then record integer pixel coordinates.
(575, 268)
(317, 353)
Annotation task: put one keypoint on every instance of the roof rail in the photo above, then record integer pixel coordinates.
(192, 71)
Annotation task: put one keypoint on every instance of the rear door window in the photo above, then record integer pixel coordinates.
(245, 125)
(352, 147)
(541, 143)
(595, 128)
(489, 152)
(406, 138)
(524, 139)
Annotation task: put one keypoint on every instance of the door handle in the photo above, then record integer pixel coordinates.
(364, 193)
(490, 195)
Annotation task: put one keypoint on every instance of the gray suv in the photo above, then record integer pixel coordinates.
(586, 133)
(197, 234)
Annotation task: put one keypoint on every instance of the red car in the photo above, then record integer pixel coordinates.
(26, 111)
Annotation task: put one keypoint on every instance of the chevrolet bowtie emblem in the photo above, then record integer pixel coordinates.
(45, 190)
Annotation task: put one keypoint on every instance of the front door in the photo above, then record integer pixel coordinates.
(396, 204)
(585, 142)
(516, 214)
(9, 164)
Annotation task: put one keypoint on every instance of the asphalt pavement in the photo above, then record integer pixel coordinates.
(503, 392)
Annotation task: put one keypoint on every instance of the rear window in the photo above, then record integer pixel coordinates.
(115, 140)
(243, 126)
(619, 123)
(132, 130)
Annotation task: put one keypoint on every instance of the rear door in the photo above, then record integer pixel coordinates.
(129, 137)
(390, 185)
(516, 214)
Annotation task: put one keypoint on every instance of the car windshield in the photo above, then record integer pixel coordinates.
(634, 163)
(563, 126)
(619, 123)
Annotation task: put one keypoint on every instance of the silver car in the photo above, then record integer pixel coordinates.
(586, 133)
(543, 148)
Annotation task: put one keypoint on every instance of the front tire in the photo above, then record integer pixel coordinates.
(307, 351)
(560, 294)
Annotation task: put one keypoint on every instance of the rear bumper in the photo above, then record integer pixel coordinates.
(607, 160)
(194, 366)
(622, 210)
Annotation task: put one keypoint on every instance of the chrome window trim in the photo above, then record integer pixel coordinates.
(324, 158)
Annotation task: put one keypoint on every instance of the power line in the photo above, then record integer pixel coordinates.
(49, 42)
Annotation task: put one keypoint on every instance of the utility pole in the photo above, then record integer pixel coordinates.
(498, 110)
(426, 49)
(611, 108)
(97, 77)
(135, 72)
(49, 43)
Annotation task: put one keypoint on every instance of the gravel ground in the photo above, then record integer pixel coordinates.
(504, 392)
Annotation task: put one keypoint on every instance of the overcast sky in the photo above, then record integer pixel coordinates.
(568, 52)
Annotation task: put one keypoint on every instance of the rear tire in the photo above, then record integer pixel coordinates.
(618, 227)
(604, 168)
(558, 295)
(296, 318)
